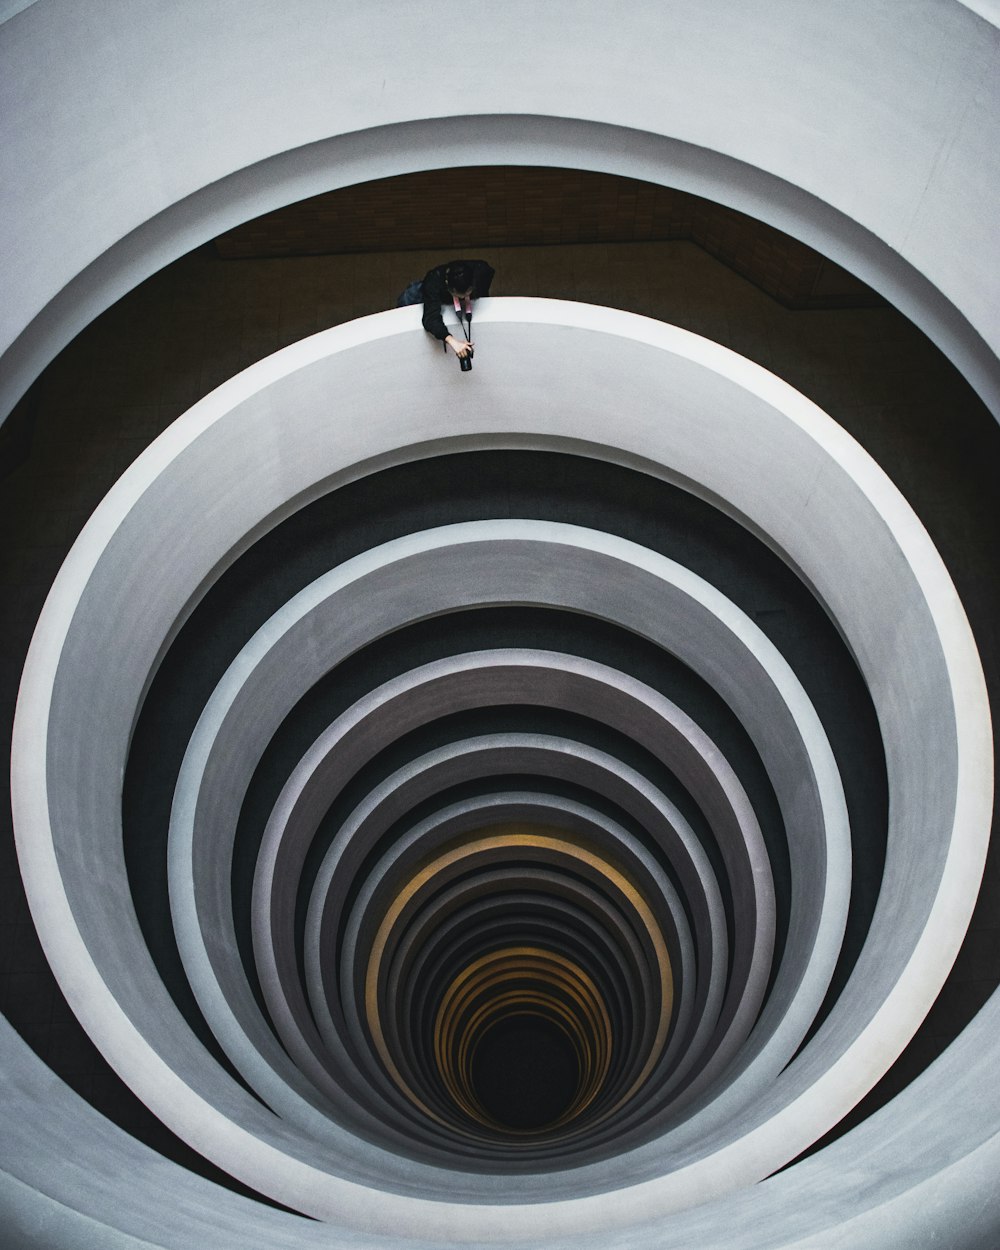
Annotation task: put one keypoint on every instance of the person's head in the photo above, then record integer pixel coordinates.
(458, 280)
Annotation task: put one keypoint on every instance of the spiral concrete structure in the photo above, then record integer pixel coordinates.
(510, 857)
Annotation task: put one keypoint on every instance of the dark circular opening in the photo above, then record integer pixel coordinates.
(525, 1072)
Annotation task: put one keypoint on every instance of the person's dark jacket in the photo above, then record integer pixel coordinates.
(436, 293)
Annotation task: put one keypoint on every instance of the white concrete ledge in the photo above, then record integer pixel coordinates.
(630, 391)
(142, 148)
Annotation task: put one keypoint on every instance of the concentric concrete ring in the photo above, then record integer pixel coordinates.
(339, 753)
(259, 449)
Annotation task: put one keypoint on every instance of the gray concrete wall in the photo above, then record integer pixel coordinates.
(262, 440)
(135, 132)
(870, 134)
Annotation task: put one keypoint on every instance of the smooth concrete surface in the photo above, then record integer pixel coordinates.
(321, 625)
(591, 828)
(557, 759)
(10, 7)
(871, 133)
(293, 661)
(499, 677)
(916, 599)
(550, 679)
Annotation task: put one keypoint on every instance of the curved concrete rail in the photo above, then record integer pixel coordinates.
(871, 134)
(261, 447)
(468, 565)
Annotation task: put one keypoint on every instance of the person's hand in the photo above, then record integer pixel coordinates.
(459, 346)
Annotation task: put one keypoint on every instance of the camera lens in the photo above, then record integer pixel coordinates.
(465, 362)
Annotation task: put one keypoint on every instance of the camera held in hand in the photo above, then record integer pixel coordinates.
(465, 362)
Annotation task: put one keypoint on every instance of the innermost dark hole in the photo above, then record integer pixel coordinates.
(525, 1072)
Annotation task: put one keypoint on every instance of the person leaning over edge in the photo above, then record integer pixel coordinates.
(463, 280)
